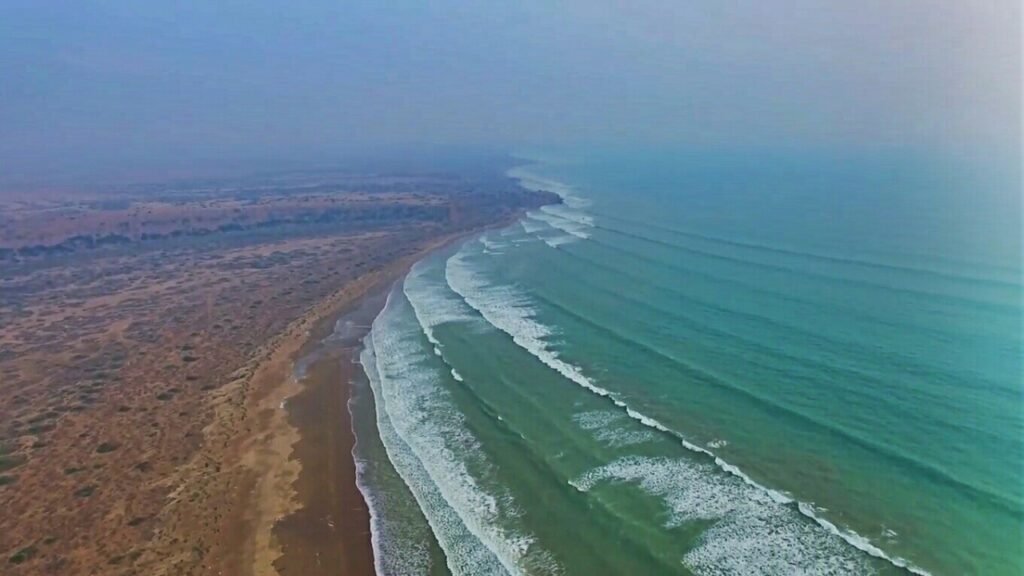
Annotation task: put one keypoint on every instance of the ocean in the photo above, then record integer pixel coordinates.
(709, 363)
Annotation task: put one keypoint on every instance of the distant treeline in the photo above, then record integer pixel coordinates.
(467, 208)
(380, 214)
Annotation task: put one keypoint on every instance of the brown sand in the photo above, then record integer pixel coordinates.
(288, 499)
(259, 480)
(329, 535)
(329, 531)
(319, 523)
(277, 519)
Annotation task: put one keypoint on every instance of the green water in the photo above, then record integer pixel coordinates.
(710, 364)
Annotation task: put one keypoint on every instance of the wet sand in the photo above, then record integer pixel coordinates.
(330, 533)
(326, 530)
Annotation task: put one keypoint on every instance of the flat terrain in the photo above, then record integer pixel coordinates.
(329, 534)
(147, 338)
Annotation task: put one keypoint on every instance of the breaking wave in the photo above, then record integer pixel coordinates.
(512, 311)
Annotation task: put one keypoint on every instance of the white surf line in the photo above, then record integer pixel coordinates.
(558, 241)
(567, 213)
(442, 310)
(491, 244)
(517, 321)
(536, 183)
(531, 226)
(465, 553)
(748, 534)
(601, 425)
(433, 304)
(566, 217)
(535, 229)
(415, 281)
(438, 436)
(564, 224)
(386, 561)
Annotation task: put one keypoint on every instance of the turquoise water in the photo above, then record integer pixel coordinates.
(710, 364)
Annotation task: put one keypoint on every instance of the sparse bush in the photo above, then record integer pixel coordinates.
(9, 461)
(107, 447)
(23, 555)
(85, 491)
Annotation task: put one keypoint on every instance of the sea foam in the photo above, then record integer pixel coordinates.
(429, 443)
(568, 217)
(606, 427)
(751, 533)
(464, 552)
(570, 227)
(398, 546)
(434, 304)
(532, 181)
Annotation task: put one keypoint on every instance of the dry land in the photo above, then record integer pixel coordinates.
(147, 346)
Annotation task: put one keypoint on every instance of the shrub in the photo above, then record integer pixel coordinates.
(23, 555)
(107, 447)
(85, 491)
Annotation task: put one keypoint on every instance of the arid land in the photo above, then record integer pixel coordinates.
(147, 343)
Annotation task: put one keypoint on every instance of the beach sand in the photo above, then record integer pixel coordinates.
(327, 528)
(330, 533)
(275, 468)
(283, 499)
(321, 523)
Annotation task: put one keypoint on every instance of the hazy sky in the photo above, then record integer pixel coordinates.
(117, 85)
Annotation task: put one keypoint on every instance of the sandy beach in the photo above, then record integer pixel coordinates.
(321, 523)
(329, 533)
(272, 487)
(310, 516)
(327, 530)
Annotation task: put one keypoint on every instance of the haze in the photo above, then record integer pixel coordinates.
(123, 89)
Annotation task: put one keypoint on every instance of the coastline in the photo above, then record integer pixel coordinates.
(326, 528)
(329, 533)
(260, 464)
(149, 386)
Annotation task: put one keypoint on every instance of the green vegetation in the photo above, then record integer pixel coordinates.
(23, 555)
(107, 447)
(9, 461)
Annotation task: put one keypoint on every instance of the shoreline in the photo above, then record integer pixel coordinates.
(325, 535)
(330, 533)
(326, 529)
